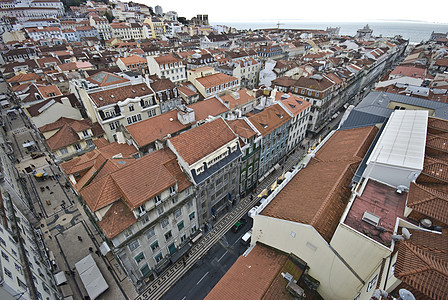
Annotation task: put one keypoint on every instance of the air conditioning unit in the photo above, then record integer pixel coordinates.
(371, 218)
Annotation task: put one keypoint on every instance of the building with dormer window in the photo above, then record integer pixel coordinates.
(209, 155)
(273, 125)
(168, 67)
(113, 101)
(146, 210)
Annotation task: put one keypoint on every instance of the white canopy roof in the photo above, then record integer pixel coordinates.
(403, 140)
(91, 277)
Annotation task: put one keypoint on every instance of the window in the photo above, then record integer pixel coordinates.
(21, 283)
(146, 219)
(63, 151)
(77, 147)
(5, 256)
(172, 189)
(183, 237)
(160, 210)
(189, 204)
(151, 113)
(191, 216)
(145, 270)
(168, 235)
(85, 133)
(157, 200)
(178, 213)
(158, 257)
(141, 210)
(150, 233)
(90, 143)
(193, 229)
(139, 257)
(155, 246)
(180, 225)
(165, 222)
(127, 233)
(7, 272)
(134, 245)
(372, 283)
(18, 268)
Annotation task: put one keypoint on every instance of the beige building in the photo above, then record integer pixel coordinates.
(209, 83)
(167, 66)
(113, 101)
(149, 215)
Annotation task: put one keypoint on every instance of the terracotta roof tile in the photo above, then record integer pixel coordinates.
(237, 98)
(200, 141)
(152, 129)
(186, 91)
(241, 128)
(334, 165)
(249, 277)
(118, 218)
(146, 178)
(209, 107)
(105, 78)
(422, 263)
(167, 59)
(215, 80)
(101, 193)
(112, 96)
(269, 119)
(429, 201)
(133, 59)
(293, 103)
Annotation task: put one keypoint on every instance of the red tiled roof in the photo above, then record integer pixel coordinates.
(152, 129)
(215, 80)
(209, 107)
(334, 165)
(422, 263)
(147, 177)
(428, 201)
(293, 103)
(269, 119)
(237, 98)
(241, 128)
(118, 218)
(112, 96)
(200, 141)
(249, 277)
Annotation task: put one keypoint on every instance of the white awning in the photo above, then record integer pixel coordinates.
(91, 277)
(60, 278)
(104, 248)
(25, 145)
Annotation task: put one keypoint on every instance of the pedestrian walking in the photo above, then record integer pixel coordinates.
(79, 238)
(97, 252)
(90, 249)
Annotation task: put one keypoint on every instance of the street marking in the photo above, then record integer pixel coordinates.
(184, 297)
(202, 278)
(222, 256)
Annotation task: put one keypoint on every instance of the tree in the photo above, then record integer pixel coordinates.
(109, 16)
(183, 20)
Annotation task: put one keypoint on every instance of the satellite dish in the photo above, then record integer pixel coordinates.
(405, 232)
(406, 295)
(397, 238)
(380, 294)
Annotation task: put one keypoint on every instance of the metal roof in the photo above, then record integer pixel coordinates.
(403, 140)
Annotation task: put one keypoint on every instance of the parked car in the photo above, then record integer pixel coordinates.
(238, 225)
(245, 239)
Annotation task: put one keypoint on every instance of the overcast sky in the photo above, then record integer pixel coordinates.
(307, 10)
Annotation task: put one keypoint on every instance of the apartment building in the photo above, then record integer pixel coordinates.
(250, 143)
(113, 101)
(273, 125)
(213, 166)
(102, 26)
(133, 63)
(299, 110)
(149, 216)
(247, 70)
(210, 83)
(167, 66)
(67, 137)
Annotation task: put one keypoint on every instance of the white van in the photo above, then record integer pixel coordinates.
(245, 239)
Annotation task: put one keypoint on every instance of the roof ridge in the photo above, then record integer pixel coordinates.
(432, 262)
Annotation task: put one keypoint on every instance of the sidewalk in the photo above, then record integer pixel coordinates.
(61, 217)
